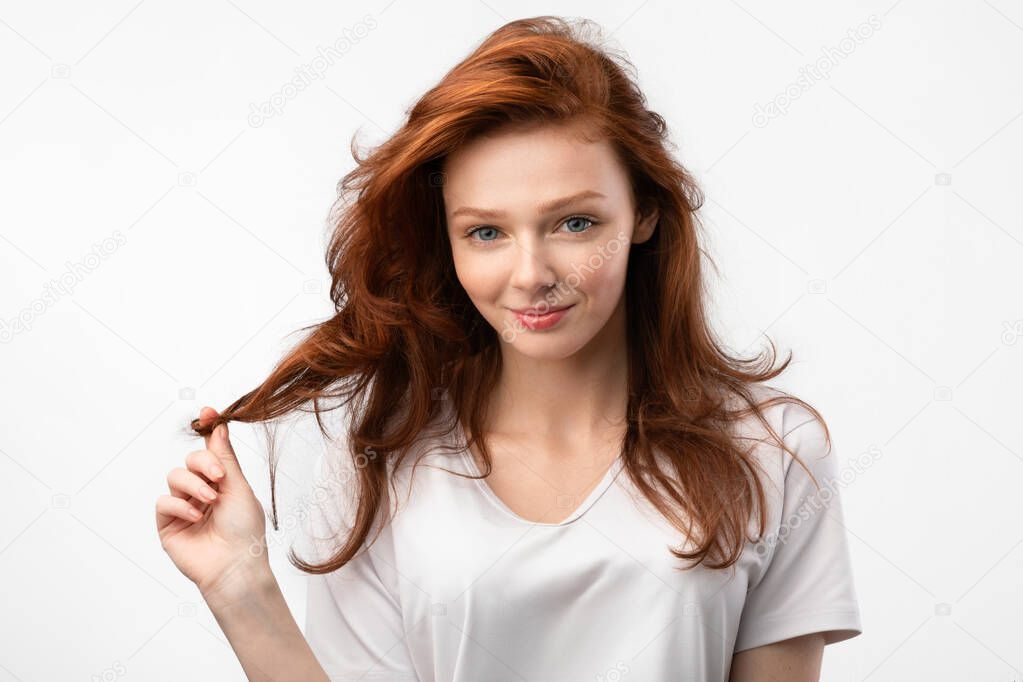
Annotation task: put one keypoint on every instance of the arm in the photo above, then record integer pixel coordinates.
(251, 611)
(792, 660)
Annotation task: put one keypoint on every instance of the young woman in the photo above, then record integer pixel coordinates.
(550, 470)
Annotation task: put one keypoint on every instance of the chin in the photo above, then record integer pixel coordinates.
(554, 344)
(544, 350)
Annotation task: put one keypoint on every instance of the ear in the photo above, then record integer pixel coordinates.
(646, 222)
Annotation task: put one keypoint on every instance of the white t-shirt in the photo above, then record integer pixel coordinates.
(458, 587)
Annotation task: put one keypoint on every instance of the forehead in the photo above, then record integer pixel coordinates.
(526, 165)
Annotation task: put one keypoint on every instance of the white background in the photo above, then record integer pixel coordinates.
(875, 230)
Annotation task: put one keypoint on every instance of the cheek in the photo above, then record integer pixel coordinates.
(481, 277)
(601, 276)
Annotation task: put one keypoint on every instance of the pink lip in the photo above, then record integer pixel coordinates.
(535, 321)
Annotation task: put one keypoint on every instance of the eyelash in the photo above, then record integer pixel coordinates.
(475, 228)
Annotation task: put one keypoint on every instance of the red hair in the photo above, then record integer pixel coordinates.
(404, 329)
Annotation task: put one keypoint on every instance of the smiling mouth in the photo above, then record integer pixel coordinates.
(539, 312)
(542, 321)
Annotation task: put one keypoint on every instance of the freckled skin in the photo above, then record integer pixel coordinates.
(512, 261)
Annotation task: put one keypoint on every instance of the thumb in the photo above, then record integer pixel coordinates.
(220, 445)
(219, 440)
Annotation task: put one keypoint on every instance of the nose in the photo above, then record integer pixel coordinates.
(532, 269)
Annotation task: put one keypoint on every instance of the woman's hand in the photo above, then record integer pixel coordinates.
(217, 542)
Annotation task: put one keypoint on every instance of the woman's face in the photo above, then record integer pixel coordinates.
(541, 219)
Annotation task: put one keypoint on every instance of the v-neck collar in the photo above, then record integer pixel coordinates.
(605, 482)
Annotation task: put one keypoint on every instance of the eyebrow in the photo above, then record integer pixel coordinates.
(546, 207)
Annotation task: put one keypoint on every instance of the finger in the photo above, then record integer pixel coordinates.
(205, 462)
(163, 520)
(198, 504)
(183, 482)
(169, 508)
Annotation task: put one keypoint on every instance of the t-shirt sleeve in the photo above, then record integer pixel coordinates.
(353, 618)
(807, 586)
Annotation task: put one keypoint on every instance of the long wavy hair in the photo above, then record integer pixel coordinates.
(404, 331)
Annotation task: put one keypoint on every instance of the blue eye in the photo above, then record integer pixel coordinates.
(484, 228)
(580, 217)
(472, 231)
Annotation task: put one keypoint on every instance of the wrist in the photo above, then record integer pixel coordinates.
(246, 580)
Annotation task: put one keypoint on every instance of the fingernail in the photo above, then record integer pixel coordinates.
(207, 494)
(194, 514)
(216, 471)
